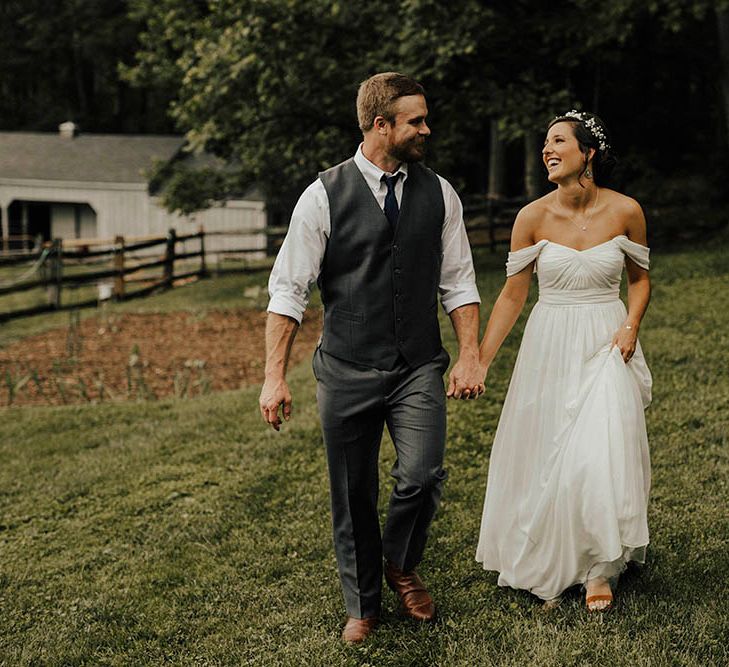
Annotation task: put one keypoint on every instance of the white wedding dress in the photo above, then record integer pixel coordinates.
(569, 476)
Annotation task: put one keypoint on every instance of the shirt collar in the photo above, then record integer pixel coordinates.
(372, 173)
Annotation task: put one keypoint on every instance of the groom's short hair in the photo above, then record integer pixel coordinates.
(377, 95)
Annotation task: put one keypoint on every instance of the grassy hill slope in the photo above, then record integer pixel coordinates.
(185, 532)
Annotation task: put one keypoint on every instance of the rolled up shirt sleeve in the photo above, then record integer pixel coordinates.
(298, 263)
(457, 277)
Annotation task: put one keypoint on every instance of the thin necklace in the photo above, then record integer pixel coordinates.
(583, 226)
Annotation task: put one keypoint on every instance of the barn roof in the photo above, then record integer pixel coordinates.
(108, 158)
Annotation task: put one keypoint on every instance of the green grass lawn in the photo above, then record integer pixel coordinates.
(185, 532)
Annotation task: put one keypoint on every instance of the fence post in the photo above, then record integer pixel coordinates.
(203, 265)
(119, 268)
(491, 214)
(55, 274)
(170, 258)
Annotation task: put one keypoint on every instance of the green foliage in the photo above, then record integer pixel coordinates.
(270, 86)
(185, 532)
(187, 189)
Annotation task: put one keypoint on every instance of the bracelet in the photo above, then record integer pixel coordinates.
(628, 326)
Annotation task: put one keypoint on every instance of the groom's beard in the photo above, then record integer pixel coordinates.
(410, 151)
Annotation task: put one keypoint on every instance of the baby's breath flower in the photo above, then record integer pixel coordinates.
(591, 124)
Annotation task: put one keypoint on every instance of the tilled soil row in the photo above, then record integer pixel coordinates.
(142, 357)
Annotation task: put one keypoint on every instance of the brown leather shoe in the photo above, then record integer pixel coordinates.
(415, 599)
(358, 629)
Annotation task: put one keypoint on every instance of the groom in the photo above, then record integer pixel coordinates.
(383, 236)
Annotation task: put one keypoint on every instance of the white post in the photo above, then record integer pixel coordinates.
(4, 211)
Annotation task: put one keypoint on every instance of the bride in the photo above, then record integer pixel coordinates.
(569, 476)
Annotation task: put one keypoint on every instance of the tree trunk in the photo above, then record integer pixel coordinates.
(532, 166)
(497, 163)
(78, 77)
(722, 21)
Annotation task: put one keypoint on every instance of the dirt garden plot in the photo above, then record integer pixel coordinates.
(142, 357)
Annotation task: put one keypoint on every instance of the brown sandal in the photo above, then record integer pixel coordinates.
(597, 598)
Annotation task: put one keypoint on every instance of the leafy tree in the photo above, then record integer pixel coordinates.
(269, 85)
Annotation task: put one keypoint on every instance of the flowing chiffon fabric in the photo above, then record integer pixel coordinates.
(568, 482)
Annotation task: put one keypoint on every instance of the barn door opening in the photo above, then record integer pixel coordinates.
(28, 222)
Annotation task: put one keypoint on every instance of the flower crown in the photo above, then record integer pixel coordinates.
(591, 124)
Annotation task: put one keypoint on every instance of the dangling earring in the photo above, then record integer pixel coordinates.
(588, 173)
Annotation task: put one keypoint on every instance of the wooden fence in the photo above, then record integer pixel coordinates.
(60, 266)
(63, 265)
(489, 219)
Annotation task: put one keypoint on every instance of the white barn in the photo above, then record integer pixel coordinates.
(96, 186)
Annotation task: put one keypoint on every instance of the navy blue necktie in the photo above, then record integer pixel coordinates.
(391, 208)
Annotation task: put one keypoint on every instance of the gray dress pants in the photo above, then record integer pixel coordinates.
(355, 402)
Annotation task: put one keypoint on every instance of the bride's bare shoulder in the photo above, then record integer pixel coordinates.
(619, 202)
(627, 213)
(527, 221)
(537, 207)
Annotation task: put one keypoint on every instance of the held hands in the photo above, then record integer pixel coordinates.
(625, 340)
(275, 393)
(467, 378)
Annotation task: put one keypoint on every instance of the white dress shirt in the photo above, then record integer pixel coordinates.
(298, 263)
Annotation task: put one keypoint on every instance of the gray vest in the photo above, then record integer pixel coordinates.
(379, 288)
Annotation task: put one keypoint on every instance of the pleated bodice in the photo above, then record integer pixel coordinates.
(573, 277)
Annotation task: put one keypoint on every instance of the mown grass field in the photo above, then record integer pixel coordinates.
(184, 532)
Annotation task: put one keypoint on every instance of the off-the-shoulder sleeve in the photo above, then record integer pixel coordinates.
(638, 253)
(520, 259)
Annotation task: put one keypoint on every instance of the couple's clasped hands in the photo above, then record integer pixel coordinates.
(467, 379)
